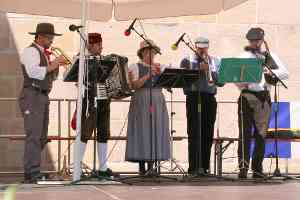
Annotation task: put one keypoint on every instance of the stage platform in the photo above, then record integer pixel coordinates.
(204, 189)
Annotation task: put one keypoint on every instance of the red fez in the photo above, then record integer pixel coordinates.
(94, 38)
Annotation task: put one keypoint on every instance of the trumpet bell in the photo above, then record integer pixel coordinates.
(59, 52)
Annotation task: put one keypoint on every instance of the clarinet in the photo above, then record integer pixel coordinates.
(208, 73)
(269, 62)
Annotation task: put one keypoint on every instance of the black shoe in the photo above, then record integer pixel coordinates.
(200, 172)
(151, 173)
(34, 177)
(142, 168)
(190, 171)
(194, 173)
(142, 172)
(258, 175)
(107, 174)
(83, 175)
(29, 180)
(243, 174)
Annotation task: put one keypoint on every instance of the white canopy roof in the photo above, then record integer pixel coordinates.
(103, 10)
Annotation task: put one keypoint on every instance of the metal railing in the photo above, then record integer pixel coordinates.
(59, 102)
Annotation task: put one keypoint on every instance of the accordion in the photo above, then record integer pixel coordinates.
(117, 83)
(110, 72)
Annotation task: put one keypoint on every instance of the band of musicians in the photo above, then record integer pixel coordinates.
(148, 126)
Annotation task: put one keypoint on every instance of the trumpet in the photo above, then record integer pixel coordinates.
(59, 52)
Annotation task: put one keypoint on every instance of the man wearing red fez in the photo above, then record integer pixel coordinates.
(98, 118)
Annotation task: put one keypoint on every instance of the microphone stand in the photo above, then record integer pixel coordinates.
(82, 37)
(200, 171)
(173, 161)
(154, 172)
(77, 163)
(276, 173)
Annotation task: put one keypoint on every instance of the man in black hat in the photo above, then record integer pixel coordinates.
(39, 74)
(254, 107)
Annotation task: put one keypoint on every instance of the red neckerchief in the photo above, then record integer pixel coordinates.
(47, 54)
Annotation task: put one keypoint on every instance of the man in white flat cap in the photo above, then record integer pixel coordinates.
(202, 92)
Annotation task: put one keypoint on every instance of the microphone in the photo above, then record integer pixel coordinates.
(74, 27)
(175, 45)
(128, 31)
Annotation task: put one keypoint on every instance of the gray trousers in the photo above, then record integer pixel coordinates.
(35, 110)
(254, 112)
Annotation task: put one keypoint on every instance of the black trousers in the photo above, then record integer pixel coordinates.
(103, 120)
(254, 110)
(208, 118)
(98, 120)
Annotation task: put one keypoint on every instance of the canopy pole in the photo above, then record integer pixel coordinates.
(77, 159)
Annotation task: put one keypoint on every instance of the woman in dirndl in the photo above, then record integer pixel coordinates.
(145, 145)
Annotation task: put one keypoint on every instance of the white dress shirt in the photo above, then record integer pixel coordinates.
(281, 72)
(30, 58)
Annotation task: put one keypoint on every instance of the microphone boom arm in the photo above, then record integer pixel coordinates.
(143, 37)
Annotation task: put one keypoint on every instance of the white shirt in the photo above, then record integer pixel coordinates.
(281, 72)
(30, 58)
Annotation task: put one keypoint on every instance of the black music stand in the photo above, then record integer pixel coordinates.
(103, 67)
(176, 78)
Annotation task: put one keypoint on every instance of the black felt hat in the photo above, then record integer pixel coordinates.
(45, 29)
(255, 34)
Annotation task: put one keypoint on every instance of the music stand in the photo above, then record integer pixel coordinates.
(95, 66)
(241, 70)
(176, 78)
